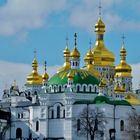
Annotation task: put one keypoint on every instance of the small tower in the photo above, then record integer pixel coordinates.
(45, 78)
(103, 59)
(89, 64)
(34, 80)
(103, 87)
(70, 85)
(75, 55)
(66, 52)
(123, 71)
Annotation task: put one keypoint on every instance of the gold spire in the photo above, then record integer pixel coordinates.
(66, 52)
(123, 69)
(89, 64)
(45, 76)
(34, 77)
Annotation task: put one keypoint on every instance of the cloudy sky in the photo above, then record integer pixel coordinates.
(44, 25)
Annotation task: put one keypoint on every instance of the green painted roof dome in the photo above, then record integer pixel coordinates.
(80, 77)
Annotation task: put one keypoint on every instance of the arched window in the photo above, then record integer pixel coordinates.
(84, 88)
(60, 89)
(121, 125)
(78, 124)
(90, 88)
(37, 125)
(95, 89)
(64, 113)
(52, 114)
(19, 133)
(78, 88)
(35, 93)
(58, 111)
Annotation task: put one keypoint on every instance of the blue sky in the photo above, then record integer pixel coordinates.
(44, 24)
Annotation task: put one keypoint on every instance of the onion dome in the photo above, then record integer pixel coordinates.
(123, 69)
(66, 52)
(119, 89)
(102, 56)
(132, 99)
(100, 26)
(45, 76)
(34, 77)
(75, 54)
(103, 83)
(70, 76)
(89, 64)
(79, 76)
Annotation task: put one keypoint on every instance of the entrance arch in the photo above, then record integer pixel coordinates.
(19, 133)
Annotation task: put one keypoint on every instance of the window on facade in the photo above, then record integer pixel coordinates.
(84, 88)
(95, 89)
(58, 111)
(121, 125)
(19, 133)
(64, 113)
(78, 124)
(52, 114)
(59, 88)
(78, 88)
(18, 115)
(37, 125)
(90, 88)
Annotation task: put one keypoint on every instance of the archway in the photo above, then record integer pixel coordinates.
(19, 133)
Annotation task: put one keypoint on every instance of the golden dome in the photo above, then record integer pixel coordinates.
(119, 89)
(132, 99)
(66, 52)
(75, 53)
(123, 69)
(100, 26)
(66, 65)
(102, 56)
(34, 77)
(89, 64)
(89, 56)
(103, 83)
(45, 76)
(70, 75)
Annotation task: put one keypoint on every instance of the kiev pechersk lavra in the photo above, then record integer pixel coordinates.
(51, 108)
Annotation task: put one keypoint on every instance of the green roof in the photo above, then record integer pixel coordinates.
(103, 100)
(80, 77)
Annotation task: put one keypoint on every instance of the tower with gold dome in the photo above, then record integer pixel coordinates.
(103, 59)
(34, 80)
(123, 71)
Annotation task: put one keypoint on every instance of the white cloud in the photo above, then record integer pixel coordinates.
(85, 15)
(13, 71)
(19, 15)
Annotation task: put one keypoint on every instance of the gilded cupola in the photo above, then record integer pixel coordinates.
(89, 64)
(45, 76)
(75, 54)
(123, 69)
(66, 53)
(102, 56)
(34, 77)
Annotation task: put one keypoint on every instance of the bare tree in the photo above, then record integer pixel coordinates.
(90, 122)
(133, 128)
